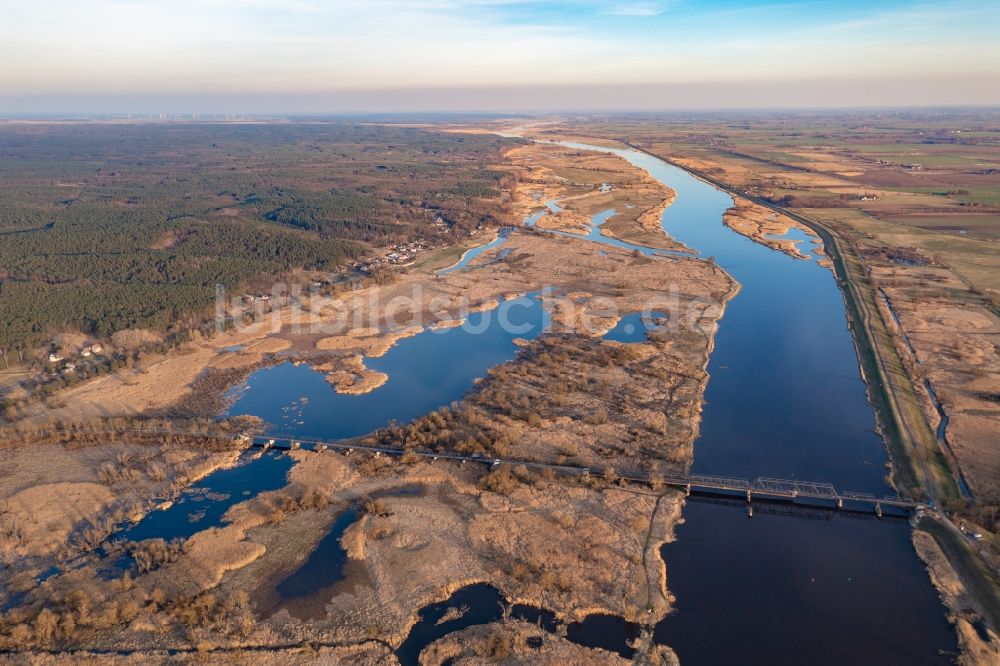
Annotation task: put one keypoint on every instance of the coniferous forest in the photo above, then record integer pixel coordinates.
(108, 226)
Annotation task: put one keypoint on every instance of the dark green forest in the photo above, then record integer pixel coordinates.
(111, 226)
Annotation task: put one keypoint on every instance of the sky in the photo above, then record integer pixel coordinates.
(313, 56)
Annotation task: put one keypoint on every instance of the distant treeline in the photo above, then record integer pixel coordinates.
(107, 227)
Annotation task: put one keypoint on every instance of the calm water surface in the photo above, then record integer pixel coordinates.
(426, 371)
(472, 253)
(786, 399)
(203, 505)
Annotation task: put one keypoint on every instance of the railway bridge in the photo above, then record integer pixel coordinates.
(762, 488)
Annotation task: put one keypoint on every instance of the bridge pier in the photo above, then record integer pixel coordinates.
(687, 490)
(840, 502)
(320, 448)
(349, 452)
(295, 445)
(748, 496)
(878, 509)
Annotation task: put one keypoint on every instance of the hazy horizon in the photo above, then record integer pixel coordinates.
(353, 56)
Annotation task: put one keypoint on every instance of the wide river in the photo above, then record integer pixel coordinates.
(785, 399)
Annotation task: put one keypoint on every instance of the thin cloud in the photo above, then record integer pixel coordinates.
(635, 9)
(227, 46)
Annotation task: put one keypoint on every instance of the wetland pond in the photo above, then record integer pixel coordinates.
(426, 371)
(203, 504)
(472, 253)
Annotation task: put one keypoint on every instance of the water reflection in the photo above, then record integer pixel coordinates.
(425, 372)
(786, 399)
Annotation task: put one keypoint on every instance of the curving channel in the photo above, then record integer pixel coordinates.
(786, 399)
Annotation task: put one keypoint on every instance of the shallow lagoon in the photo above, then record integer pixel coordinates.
(426, 371)
(472, 253)
(203, 505)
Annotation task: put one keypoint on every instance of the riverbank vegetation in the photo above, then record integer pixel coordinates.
(574, 400)
(66, 487)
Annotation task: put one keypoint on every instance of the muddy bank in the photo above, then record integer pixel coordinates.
(765, 226)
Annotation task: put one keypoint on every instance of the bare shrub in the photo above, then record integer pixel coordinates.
(597, 417)
(521, 572)
(106, 473)
(499, 481)
(314, 499)
(156, 472)
(46, 623)
(410, 458)
(154, 553)
(495, 647)
(94, 532)
(110, 474)
(569, 449)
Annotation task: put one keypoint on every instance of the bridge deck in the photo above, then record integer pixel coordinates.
(792, 490)
(763, 487)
